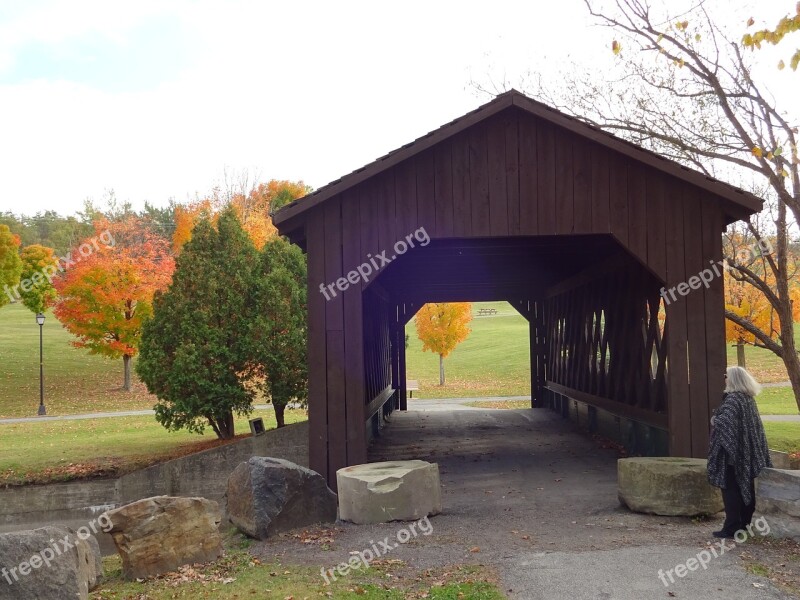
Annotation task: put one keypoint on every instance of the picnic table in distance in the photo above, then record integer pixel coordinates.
(487, 311)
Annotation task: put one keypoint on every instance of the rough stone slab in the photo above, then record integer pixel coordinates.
(778, 500)
(267, 496)
(157, 535)
(50, 562)
(669, 486)
(780, 460)
(404, 490)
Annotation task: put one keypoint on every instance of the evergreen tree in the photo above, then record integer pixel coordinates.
(196, 351)
(279, 326)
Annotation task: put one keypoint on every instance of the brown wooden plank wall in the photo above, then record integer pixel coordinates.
(696, 328)
(515, 175)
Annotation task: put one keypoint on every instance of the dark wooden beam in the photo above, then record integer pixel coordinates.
(589, 274)
(612, 406)
(522, 307)
(378, 401)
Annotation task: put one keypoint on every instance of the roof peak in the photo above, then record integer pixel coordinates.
(504, 101)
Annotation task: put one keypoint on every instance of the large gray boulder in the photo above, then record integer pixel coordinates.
(778, 500)
(780, 460)
(267, 496)
(669, 486)
(157, 535)
(50, 562)
(403, 490)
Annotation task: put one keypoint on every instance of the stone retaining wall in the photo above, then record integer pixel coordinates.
(204, 474)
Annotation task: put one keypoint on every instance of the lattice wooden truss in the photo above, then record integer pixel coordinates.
(607, 338)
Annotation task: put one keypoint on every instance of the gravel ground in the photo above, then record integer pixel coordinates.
(533, 499)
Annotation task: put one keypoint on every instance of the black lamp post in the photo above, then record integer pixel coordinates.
(42, 409)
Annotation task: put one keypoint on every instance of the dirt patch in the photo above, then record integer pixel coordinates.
(777, 560)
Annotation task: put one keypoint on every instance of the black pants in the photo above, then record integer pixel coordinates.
(737, 514)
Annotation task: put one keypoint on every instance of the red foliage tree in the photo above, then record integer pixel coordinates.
(107, 292)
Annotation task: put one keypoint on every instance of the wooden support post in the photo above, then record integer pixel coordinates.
(317, 345)
(403, 390)
(535, 358)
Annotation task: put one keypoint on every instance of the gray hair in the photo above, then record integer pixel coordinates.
(739, 380)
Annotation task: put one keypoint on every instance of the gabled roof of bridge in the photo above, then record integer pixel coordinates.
(747, 202)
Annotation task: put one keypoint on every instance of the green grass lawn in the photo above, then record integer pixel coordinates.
(777, 401)
(764, 365)
(783, 436)
(62, 450)
(75, 381)
(493, 361)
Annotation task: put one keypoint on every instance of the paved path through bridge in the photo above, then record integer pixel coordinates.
(526, 494)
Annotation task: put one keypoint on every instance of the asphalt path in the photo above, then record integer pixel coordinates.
(533, 499)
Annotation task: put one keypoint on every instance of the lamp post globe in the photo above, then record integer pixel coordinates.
(42, 409)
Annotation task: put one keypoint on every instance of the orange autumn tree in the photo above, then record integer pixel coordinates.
(442, 327)
(753, 309)
(252, 208)
(107, 293)
(749, 304)
(10, 265)
(186, 217)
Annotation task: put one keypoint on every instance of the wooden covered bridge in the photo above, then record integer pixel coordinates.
(577, 229)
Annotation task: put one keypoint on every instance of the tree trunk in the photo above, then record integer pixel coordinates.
(126, 364)
(784, 310)
(229, 425)
(279, 410)
(441, 370)
(223, 425)
(740, 354)
(793, 369)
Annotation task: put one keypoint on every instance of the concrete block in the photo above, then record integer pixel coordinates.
(669, 486)
(389, 491)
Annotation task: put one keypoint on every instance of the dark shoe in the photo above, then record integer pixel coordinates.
(724, 534)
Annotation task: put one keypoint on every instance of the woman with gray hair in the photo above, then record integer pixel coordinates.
(737, 450)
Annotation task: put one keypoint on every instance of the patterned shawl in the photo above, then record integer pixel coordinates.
(737, 439)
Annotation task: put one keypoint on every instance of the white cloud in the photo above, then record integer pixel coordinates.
(295, 90)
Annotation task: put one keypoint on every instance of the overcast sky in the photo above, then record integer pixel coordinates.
(155, 99)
